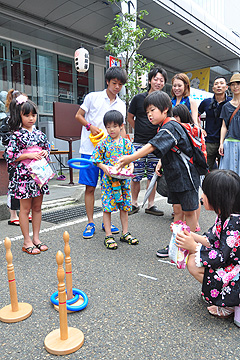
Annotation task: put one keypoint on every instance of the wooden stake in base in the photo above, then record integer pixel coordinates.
(68, 269)
(15, 311)
(64, 340)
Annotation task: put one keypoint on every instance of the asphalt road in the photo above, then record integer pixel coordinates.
(139, 307)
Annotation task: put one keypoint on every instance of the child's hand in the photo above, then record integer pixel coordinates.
(44, 153)
(158, 168)
(123, 161)
(185, 240)
(105, 169)
(35, 155)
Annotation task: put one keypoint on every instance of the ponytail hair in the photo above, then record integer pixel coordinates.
(19, 106)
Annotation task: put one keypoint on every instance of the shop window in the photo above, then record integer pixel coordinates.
(65, 80)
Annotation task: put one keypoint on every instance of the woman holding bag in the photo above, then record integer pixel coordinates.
(229, 147)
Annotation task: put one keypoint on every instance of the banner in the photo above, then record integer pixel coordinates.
(199, 79)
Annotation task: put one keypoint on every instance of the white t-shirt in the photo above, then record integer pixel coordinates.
(95, 105)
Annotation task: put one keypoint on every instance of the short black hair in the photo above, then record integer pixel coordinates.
(16, 110)
(153, 72)
(116, 72)
(182, 111)
(159, 99)
(113, 116)
(220, 77)
(222, 188)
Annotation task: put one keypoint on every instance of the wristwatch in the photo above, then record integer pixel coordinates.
(88, 126)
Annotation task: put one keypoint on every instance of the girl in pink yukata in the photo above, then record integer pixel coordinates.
(26, 143)
(106, 154)
(214, 258)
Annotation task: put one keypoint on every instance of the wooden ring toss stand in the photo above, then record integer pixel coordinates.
(68, 269)
(64, 340)
(15, 311)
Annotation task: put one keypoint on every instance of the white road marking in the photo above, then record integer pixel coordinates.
(168, 262)
(56, 227)
(148, 277)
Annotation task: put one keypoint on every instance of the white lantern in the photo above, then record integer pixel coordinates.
(144, 80)
(81, 58)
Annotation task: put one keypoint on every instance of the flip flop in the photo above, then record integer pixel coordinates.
(61, 177)
(14, 222)
(30, 218)
(30, 249)
(38, 246)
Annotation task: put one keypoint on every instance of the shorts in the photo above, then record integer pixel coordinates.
(187, 199)
(144, 165)
(89, 176)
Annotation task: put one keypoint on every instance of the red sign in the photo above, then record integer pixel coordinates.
(113, 61)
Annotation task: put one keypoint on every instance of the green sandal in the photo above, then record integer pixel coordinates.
(129, 239)
(110, 243)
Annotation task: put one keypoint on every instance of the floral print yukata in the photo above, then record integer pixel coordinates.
(221, 283)
(108, 153)
(22, 185)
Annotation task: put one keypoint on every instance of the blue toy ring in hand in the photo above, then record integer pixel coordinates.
(85, 163)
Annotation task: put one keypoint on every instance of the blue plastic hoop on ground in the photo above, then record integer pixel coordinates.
(86, 163)
(70, 307)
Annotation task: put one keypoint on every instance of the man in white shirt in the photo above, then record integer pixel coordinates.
(90, 115)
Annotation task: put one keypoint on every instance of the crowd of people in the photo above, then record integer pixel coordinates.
(214, 258)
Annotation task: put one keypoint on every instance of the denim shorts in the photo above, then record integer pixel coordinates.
(187, 199)
(89, 176)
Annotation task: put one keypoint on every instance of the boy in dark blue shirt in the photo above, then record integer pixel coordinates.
(181, 188)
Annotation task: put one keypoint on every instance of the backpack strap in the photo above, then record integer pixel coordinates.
(234, 113)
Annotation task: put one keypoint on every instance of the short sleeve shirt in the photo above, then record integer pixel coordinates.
(213, 120)
(95, 105)
(144, 130)
(234, 128)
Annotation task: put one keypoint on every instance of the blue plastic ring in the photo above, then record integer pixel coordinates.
(69, 306)
(70, 301)
(86, 163)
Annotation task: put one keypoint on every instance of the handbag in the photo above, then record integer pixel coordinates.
(162, 187)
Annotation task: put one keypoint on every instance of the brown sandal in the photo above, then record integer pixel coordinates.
(30, 249)
(221, 312)
(38, 246)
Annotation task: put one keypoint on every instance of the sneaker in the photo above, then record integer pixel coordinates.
(163, 252)
(89, 231)
(114, 229)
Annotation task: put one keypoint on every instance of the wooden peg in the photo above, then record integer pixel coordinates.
(15, 311)
(64, 340)
(68, 265)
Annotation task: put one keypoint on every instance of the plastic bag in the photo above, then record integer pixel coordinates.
(123, 174)
(40, 171)
(177, 255)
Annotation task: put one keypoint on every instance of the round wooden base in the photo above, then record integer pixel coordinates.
(9, 316)
(77, 303)
(54, 345)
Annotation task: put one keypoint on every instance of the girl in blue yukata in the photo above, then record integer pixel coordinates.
(214, 259)
(106, 154)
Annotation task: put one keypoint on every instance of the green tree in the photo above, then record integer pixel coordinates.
(124, 42)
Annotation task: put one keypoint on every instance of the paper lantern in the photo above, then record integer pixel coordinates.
(81, 58)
